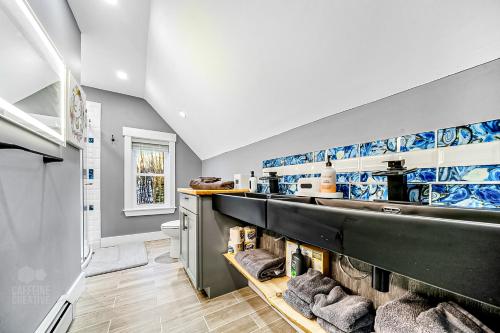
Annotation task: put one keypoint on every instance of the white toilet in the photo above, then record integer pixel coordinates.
(171, 230)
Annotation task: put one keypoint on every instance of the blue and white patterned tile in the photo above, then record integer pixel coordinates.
(319, 156)
(466, 195)
(273, 163)
(379, 147)
(288, 189)
(368, 177)
(470, 173)
(422, 175)
(295, 178)
(419, 141)
(342, 153)
(299, 159)
(487, 131)
(344, 188)
(419, 193)
(347, 177)
(262, 188)
(369, 192)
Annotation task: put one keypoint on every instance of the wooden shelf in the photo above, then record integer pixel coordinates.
(272, 291)
(210, 192)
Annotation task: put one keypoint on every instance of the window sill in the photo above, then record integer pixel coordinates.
(148, 211)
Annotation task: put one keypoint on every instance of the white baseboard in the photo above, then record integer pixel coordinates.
(76, 289)
(144, 237)
(74, 292)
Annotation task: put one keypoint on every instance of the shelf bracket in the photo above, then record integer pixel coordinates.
(46, 158)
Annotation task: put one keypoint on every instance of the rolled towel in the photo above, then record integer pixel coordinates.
(295, 302)
(308, 285)
(348, 313)
(332, 329)
(450, 317)
(261, 264)
(400, 314)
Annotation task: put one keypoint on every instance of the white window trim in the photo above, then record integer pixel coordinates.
(131, 135)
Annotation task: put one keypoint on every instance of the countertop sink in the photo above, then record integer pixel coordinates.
(452, 248)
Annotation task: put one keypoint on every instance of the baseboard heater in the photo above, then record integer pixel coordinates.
(62, 320)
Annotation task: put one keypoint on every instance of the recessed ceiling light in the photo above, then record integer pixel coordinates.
(182, 114)
(112, 2)
(121, 75)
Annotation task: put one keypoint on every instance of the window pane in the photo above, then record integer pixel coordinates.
(150, 190)
(149, 161)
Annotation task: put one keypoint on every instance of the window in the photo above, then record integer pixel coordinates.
(149, 172)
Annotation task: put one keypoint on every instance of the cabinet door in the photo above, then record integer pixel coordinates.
(184, 241)
(193, 247)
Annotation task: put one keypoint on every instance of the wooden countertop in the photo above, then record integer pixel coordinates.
(272, 291)
(210, 192)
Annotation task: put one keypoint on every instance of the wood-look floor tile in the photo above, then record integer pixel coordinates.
(99, 328)
(88, 303)
(134, 320)
(234, 312)
(159, 297)
(187, 322)
(92, 318)
(132, 307)
(244, 293)
(278, 326)
(241, 325)
(265, 316)
(148, 327)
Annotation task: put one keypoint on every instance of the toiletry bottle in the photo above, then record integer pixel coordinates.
(328, 178)
(298, 264)
(252, 182)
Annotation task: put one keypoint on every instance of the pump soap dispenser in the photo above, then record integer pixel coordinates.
(328, 178)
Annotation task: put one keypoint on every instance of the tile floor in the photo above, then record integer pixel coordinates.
(158, 297)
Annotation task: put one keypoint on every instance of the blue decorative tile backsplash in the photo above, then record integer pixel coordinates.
(319, 156)
(467, 195)
(340, 153)
(299, 159)
(487, 131)
(369, 192)
(426, 140)
(454, 184)
(378, 147)
(470, 173)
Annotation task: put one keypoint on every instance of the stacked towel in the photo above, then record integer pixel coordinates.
(400, 315)
(295, 302)
(339, 312)
(302, 289)
(261, 264)
(449, 317)
(210, 183)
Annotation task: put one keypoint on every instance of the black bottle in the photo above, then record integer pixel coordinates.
(298, 264)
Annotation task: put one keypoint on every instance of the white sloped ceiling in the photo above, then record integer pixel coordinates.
(243, 71)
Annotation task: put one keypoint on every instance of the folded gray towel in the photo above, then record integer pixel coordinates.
(308, 285)
(261, 264)
(332, 329)
(295, 302)
(347, 313)
(449, 317)
(400, 315)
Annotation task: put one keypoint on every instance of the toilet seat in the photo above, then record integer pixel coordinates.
(171, 225)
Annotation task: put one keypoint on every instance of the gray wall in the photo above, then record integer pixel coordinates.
(462, 98)
(39, 204)
(118, 111)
